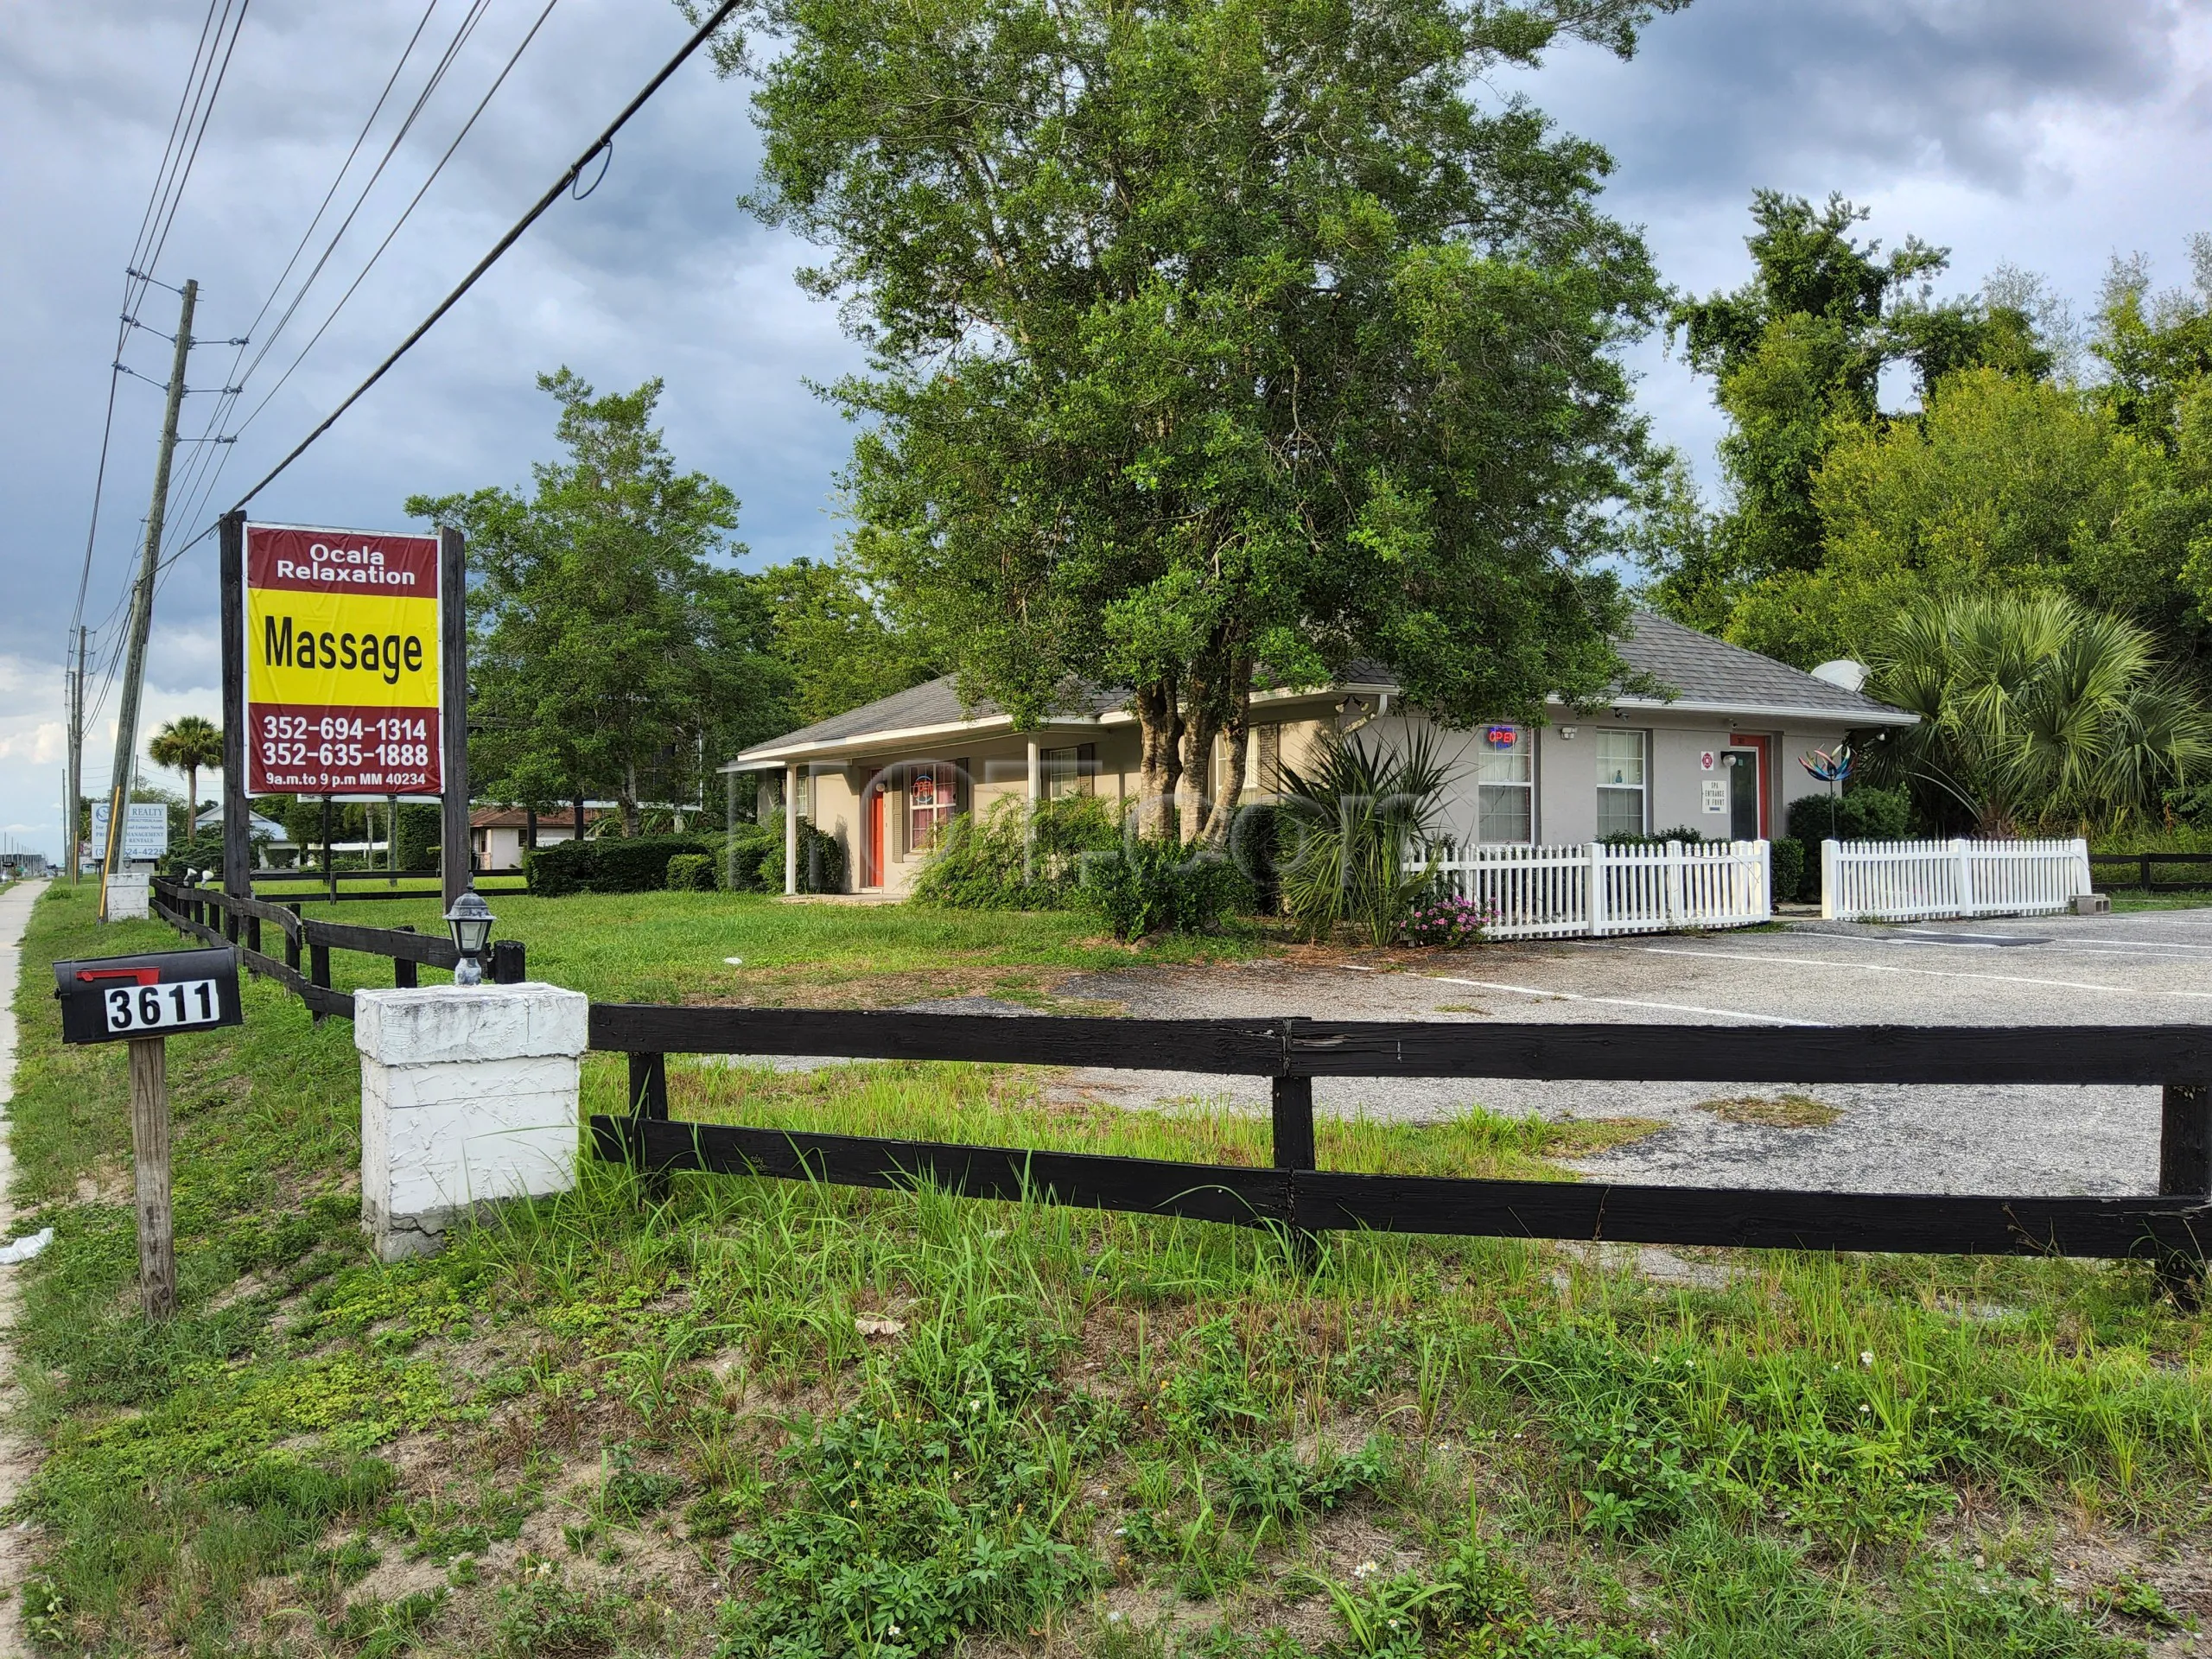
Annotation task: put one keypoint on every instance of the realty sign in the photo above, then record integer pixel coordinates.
(341, 661)
(145, 831)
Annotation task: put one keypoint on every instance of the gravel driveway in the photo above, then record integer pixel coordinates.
(2150, 967)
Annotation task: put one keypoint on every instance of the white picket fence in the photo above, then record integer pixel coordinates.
(1539, 892)
(1916, 881)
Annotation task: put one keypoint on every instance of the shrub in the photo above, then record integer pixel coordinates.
(1153, 887)
(691, 873)
(630, 864)
(1448, 921)
(202, 852)
(1861, 813)
(820, 860)
(747, 853)
(416, 836)
(1255, 842)
(1786, 868)
(1006, 860)
(1680, 832)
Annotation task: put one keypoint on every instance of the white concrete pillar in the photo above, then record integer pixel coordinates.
(129, 895)
(790, 828)
(469, 1096)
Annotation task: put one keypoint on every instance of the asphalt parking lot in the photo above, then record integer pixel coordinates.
(2144, 968)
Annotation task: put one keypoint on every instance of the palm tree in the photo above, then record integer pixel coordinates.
(187, 744)
(2033, 709)
(1351, 827)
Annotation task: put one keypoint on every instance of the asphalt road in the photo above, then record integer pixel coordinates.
(2150, 967)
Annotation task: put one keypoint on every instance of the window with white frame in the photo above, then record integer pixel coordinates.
(1505, 778)
(1068, 772)
(1621, 789)
(933, 797)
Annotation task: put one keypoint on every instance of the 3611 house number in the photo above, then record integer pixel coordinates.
(162, 1007)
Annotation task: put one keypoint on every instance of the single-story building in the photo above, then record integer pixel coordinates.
(1719, 755)
(501, 833)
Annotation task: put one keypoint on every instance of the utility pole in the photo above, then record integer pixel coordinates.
(74, 843)
(141, 604)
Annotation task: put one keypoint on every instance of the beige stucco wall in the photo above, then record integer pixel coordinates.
(996, 769)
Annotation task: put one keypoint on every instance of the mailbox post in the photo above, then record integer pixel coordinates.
(140, 999)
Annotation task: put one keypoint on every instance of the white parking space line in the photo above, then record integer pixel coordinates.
(1925, 973)
(1622, 1002)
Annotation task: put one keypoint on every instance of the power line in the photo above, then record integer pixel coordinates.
(200, 479)
(187, 101)
(196, 489)
(699, 38)
(404, 215)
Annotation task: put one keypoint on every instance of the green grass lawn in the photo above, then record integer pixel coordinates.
(673, 947)
(767, 1421)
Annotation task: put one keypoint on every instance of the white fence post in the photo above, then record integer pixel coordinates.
(1962, 879)
(1763, 899)
(1594, 910)
(2082, 882)
(1829, 861)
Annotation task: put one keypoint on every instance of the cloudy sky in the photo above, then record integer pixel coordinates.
(2044, 134)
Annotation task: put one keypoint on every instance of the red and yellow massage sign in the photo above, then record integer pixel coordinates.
(342, 655)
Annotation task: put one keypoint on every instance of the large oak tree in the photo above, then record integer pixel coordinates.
(1216, 341)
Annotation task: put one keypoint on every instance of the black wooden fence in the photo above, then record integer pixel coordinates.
(2152, 872)
(2173, 1227)
(218, 917)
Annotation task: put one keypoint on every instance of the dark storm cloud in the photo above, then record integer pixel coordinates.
(1736, 92)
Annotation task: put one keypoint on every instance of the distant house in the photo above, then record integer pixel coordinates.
(1719, 756)
(502, 833)
(257, 827)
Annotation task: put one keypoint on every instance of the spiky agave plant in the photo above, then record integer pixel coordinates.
(1351, 827)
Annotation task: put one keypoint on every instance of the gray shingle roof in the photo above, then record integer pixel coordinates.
(1700, 669)
(933, 702)
(1697, 668)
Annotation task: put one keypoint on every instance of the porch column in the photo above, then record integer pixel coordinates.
(790, 828)
(1036, 794)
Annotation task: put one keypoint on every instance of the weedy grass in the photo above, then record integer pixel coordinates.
(673, 947)
(772, 1420)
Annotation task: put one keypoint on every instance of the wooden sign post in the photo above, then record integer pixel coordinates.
(140, 999)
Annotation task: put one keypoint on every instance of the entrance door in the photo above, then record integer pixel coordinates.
(1748, 816)
(871, 865)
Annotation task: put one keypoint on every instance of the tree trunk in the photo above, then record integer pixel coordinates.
(1191, 796)
(1236, 740)
(629, 798)
(1159, 763)
(191, 802)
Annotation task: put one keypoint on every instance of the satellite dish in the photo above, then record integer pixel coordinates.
(1844, 673)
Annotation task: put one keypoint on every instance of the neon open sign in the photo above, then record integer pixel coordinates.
(1502, 737)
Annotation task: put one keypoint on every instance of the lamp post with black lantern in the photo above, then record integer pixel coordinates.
(470, 920)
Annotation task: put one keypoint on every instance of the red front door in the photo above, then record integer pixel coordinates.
(872, 876)
(1762, 772)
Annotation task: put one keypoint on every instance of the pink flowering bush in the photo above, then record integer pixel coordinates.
(1448, 921)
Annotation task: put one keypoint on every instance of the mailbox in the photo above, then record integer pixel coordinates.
(108, 999)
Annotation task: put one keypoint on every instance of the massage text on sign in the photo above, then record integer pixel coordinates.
(342, 655)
